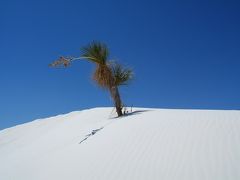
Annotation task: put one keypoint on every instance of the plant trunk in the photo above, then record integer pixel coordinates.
(117, 100)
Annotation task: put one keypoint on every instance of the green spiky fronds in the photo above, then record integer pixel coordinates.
(96, 52)
(122, 75)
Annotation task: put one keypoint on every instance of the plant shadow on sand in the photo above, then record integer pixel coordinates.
(132, 113)
(124, 115)
(135, 112)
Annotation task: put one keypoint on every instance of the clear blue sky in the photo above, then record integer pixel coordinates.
(185, 54)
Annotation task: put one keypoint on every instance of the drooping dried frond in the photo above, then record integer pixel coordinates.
(122, 75)
(103, 76)
(96, 52)
(62, 61)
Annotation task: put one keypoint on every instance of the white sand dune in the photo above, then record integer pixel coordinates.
(150, 144)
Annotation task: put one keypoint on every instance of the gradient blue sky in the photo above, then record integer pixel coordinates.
(185, 54)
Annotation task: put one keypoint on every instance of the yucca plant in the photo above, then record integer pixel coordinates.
(122, 75)
(107, 75)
